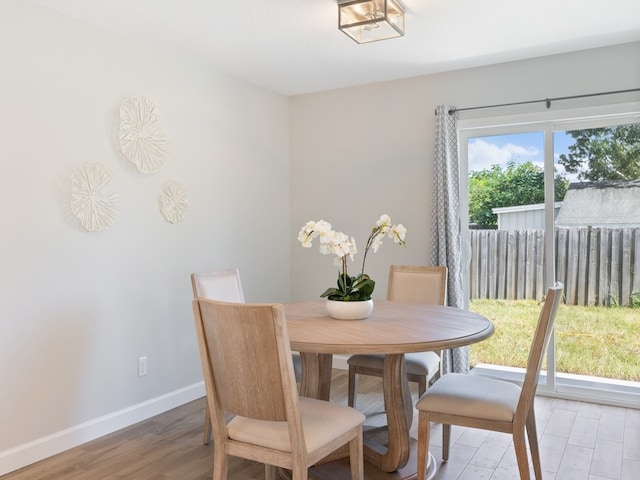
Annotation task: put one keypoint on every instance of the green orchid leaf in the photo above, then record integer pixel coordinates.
(331, 292)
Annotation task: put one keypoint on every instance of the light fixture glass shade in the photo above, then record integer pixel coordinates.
(371, 20)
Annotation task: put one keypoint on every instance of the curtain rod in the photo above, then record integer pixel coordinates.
(547, 101)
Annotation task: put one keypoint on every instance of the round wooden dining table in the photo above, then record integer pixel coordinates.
(393, 329)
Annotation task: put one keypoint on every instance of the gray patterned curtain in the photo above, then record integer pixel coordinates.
(446, 241)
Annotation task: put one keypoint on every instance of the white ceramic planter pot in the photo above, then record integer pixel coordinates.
(349, 310)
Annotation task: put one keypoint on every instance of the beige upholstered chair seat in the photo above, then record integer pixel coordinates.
(472, 396)
(419, 363)
(318, 431)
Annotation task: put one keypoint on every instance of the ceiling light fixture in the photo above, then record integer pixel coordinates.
(371, 20)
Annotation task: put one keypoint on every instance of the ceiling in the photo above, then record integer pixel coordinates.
(294, 46)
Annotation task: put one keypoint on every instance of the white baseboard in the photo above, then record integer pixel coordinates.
(340, 362)
(39, 449)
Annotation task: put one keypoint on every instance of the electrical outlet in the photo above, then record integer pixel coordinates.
(142, 366)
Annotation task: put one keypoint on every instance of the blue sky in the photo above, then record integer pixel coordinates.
(522, 147)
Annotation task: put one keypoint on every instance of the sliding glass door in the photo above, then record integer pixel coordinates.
(598, 256)
(557, 199)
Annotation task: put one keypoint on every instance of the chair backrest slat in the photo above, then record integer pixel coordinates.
(541, 338)
(417, 284)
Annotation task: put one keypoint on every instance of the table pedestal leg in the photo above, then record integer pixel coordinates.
(316, 375)
(389, 449)
(399, 410)
(393, 459)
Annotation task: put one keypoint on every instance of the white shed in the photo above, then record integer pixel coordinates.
(522, 217)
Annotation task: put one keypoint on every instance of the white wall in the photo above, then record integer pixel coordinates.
(76, 308)
(359, 152)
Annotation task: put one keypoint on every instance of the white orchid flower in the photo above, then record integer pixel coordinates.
(325, 248)
(398, 233)
(377, 241)
(352, 248)
(323, 229)
(384, 220)
(305, 238)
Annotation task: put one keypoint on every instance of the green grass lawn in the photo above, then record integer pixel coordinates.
(597, 341)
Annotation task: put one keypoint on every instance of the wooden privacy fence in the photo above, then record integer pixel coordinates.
(598, 266)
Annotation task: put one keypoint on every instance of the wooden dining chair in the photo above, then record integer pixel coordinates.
(257, 413)
(225, 286)
(411, 284)
(490, 404)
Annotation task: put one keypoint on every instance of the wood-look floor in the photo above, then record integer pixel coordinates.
(579, 441)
